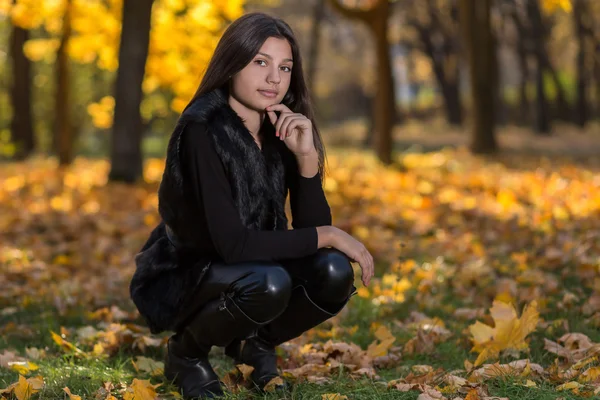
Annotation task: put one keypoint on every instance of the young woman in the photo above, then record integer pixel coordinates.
(222, 268)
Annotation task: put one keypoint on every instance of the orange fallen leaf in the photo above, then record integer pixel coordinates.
(71, 396)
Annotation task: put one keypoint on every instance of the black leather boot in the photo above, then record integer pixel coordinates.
(188, 367)
(218, 323)
(261, 356)
(300, 315)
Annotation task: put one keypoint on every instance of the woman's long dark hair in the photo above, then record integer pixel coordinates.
(240, 42)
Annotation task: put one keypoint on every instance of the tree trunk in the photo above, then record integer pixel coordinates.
(63, 135)
(522, 40)
(384, 109)
(451, 93)
(315, 35)
(126, 152)
(597, 76)
(384, 105)
(523, 98)
(581, 108)
(21, 126)
(540, 36)
(449, 85)
(481, 54)
(562, 105)
(542, 120)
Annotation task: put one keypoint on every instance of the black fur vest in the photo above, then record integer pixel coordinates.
(168, 269)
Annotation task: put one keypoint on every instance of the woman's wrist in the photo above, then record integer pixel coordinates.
(326, 236)
(308, 164)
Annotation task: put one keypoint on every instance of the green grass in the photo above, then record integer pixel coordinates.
(84, 376)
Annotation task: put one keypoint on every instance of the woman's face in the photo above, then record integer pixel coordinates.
(266, 79)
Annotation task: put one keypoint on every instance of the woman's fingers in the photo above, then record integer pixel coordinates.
(367, 271)
(272, 117)
(289, 126)
(283, 122)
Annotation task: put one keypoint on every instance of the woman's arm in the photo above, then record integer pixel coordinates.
(307, 198)
(210, 186)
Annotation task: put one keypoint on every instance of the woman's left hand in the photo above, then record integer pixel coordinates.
(293, 128)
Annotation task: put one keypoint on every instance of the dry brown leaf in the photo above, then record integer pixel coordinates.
(246, 370)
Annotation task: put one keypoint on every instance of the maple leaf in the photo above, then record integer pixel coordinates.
(508, 334)
(23, 389)
(141, 390)
(385, 342)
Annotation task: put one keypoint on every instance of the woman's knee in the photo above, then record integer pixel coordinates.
(265, 292)
(335, 273)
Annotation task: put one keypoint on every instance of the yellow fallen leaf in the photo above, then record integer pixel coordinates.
(333, 396)
(385, 338)
(23, 367)
(509, 332)
(71, 396)
(569, 386)
(530, 383)
(25, 388)
(64, 344)
(141, 390)
(270, 386)
(590, 375)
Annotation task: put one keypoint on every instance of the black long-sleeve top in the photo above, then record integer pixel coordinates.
(219, 229)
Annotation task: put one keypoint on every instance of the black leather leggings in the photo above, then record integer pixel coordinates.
(262, 290)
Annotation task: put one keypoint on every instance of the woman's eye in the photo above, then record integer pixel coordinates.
(288, 69)
(259, 61)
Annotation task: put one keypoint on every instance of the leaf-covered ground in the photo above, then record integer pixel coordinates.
(488, 283)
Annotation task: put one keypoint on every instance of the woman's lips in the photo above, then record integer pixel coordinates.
(268, 94)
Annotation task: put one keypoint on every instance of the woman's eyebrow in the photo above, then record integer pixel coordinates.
(269, 57)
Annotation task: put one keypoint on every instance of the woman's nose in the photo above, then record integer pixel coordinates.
(274, 76)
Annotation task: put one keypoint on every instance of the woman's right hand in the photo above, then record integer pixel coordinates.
(355, 250)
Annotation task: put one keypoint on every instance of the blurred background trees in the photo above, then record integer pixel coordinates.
(108, 78)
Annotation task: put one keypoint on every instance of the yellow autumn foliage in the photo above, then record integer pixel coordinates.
(509, 331)
(183, 36)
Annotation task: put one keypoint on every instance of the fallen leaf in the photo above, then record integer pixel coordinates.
(273, 383)
(386, 339)
(508, 334)
(148, 365)
(333, 396)
(141, 390)
(71, 396)
(23, 367)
